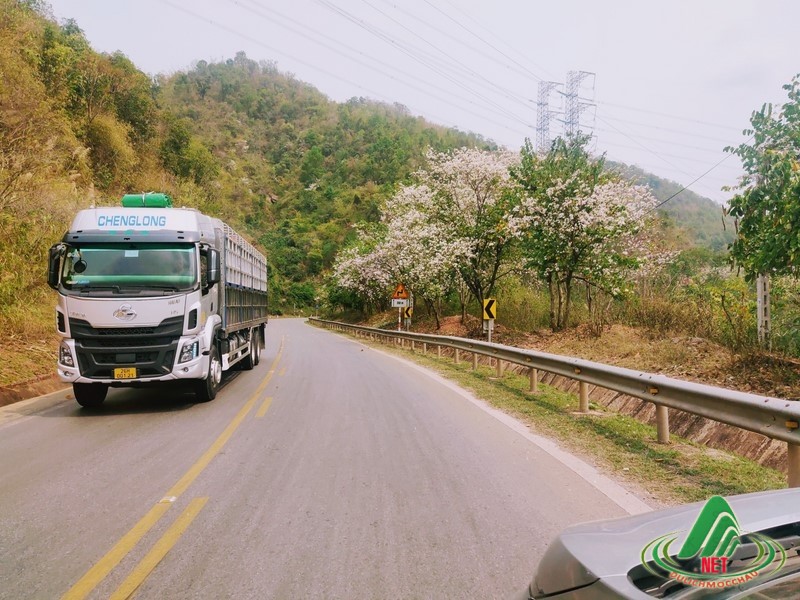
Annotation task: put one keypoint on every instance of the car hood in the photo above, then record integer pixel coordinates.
(584, 553)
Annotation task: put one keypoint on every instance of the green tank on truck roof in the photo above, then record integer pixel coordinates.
(150, 200)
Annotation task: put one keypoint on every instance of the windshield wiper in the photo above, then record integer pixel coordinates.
(91, 288)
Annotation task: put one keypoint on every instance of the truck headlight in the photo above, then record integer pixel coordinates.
(189, 351)
(65, 356)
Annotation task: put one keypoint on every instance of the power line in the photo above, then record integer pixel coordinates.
(455, 61)
(627, 107)
(668, 142)
(325, 72)
(489, 44)
(687, 186)
(668, 129)
(389, 40)
(385, 71)
(662, 114)
(461, 42)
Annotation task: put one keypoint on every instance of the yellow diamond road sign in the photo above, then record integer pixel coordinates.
(489, 309)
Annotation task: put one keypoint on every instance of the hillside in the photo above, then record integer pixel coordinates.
(298, 168)
(700, 217)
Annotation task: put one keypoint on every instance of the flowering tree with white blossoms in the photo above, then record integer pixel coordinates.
(471, 201)
(364, 269)
(452, 226)
(421, 252)
(576, 222)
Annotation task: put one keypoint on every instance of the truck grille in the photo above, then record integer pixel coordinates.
(150, 349)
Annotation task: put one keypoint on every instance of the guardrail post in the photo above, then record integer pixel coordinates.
(584, 397)
(534, 375)
(413, 345)
(499, 368)
(457, 357)
(424, 347)
(793, 456)
(474, 361)
(662, 424)
(438, 351)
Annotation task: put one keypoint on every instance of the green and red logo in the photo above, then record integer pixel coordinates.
(706, 558)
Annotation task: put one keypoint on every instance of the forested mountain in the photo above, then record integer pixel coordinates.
(238, 139)
(297, 168)
(700, 217)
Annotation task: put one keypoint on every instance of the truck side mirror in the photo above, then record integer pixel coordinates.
(212, 267)
(54, 264)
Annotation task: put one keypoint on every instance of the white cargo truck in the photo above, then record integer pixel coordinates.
(148, 293)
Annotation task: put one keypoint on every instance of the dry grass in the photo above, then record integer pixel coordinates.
(30, 343)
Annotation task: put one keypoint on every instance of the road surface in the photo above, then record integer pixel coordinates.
(332, 470)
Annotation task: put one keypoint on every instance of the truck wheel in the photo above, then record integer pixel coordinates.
(251, 359)
(259, 346)
(206, 389)
(90, 395)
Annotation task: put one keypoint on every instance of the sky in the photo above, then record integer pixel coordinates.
(667, 85)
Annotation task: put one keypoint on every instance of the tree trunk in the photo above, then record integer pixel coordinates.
(432, 309)
(553, 322)
(559, 307)
(567, 301)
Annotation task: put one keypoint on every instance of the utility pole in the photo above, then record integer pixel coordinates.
(763, 300)
(763, 311)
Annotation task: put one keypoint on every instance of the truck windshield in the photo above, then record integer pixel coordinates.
(140, 266)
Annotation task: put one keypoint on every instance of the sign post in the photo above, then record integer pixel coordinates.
(407, 312)
(400, 300)
(489, 315)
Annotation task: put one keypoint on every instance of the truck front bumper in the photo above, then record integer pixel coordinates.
(193, 369)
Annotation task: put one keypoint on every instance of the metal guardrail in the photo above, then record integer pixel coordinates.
(772, 417)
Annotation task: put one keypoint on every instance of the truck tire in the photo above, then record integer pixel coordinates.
(90, 395)
(206, 389)
(251, 360)
(259, 345)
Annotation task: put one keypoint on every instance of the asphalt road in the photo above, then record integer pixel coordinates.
(332, 470)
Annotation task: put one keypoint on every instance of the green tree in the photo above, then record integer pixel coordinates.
(767, 207)
(311, 168)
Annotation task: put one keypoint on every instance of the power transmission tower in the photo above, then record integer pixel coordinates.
(543, 115)
(574, 105)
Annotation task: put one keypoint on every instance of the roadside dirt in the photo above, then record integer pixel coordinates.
(28, 368)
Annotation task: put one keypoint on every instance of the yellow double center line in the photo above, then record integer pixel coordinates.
(113, 557)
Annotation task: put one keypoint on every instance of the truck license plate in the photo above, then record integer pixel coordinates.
(128, 373)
